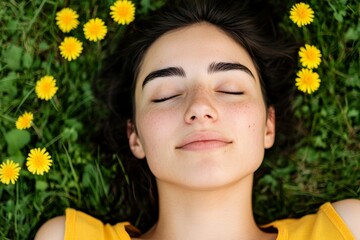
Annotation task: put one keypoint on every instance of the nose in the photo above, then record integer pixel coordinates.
(201, 108)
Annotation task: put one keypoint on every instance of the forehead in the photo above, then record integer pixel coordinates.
(193, 46)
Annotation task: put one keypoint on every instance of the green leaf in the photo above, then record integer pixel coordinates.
(16, 139)
(18, 157)
(43, 46)
(27, 60)
(7, 84)
(70, 134)
(353, 33)
(339, 16)
(353, 113)
(41, 185)
(149, 5)
(12, 26)
(13, 57)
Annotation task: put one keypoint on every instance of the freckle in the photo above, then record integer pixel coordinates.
(249, 126)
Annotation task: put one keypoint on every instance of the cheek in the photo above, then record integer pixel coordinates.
(153, 127)
(250, 127)
(156, 135)
(250, 121)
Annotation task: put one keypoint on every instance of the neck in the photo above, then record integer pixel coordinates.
(223, 213)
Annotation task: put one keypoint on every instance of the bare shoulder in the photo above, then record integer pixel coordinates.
(53, 229)
(349, 211)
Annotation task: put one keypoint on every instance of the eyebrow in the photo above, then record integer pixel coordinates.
(179, 71)
(225, 66)
(165, 72)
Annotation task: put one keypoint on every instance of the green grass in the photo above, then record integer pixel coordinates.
(325, 163)
(323, 166)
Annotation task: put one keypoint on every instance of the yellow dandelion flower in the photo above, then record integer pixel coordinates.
(46, 88)
(95, 29)
(301, 14)
(307, 81)
(9, 172)
(24, 121)
(310, 56)
(123, 12)
(70, 48)
(66, 19)
(38, 161)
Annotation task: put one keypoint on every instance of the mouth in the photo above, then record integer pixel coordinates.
(202, 141)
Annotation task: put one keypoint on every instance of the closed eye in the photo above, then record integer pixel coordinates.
(164, 99)
(233, 93)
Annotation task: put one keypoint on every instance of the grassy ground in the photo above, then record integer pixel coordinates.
(323, 166)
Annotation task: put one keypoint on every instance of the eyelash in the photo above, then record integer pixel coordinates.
(168, 98)
(164, 99)
(232, 93)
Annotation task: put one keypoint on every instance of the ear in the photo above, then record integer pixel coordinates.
(134, 141)
(269, 137)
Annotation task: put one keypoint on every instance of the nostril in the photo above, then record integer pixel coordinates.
(200, 110)
(206, 116)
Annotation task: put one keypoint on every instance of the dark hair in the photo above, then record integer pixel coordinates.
(243, 21)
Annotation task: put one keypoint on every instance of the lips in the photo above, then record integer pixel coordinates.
(200, 141)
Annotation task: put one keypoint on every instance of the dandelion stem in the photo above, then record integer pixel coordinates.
(55, 139)
(7, 117)
(37, 130)
(24, 99)
(16, 209)
(76, 178)
(35, 16)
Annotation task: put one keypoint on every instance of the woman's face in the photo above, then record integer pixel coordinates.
(201, 121)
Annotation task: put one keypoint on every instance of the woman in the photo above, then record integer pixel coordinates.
(207, 82)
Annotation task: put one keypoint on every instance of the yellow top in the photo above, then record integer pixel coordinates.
(325, 224)
(80, 226)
